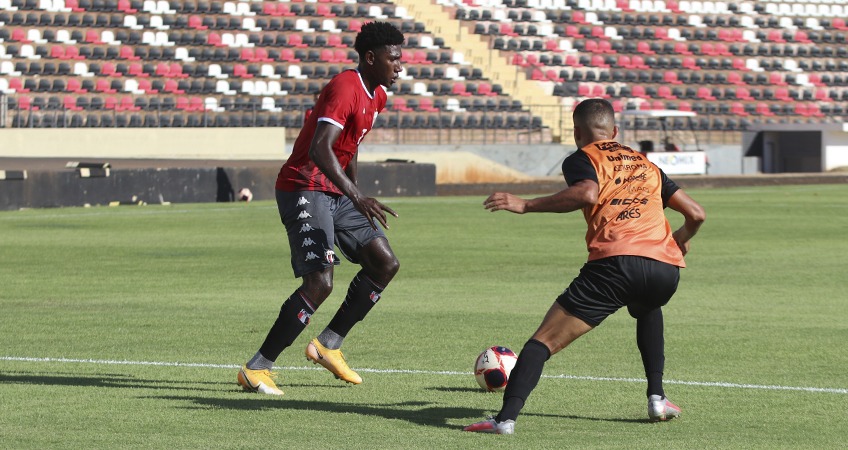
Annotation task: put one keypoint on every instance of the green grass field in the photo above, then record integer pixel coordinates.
(123, 327)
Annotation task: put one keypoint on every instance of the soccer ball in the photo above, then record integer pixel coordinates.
(245, 195)
(493, 367)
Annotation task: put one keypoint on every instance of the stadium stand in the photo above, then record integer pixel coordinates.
(159, 63)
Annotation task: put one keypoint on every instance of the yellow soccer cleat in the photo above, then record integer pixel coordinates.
(332, 360)
(261, 381)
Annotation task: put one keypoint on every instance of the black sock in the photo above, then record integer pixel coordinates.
(649, 338)
(362, 295)
(294, 317)
(523, 379)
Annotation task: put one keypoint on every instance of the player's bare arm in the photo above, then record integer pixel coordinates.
(321, 152)
(693, 216)
(579, 195)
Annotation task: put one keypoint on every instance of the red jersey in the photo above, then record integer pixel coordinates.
(628, 218)
(345, 103)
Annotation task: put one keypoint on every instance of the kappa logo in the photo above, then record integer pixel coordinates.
(330, 256)
(310, 256)
(304, 317)
(302, 201)
(375, 296)
(304, 215)
(306, 227)
(307, 242)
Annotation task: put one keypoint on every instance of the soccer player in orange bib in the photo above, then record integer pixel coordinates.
(634, 257)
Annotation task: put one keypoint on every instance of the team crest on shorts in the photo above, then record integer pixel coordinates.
(303, 317)
(330, 256)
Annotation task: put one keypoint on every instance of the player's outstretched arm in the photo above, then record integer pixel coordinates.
(581, 194)
(693, 215)
(321, 152)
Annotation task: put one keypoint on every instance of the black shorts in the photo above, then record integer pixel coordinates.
(605, 285)
(316, 222)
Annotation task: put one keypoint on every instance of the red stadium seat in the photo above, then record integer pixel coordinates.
(671, 77)
(123, 5)
(296, 40)
(426, 104)
(822, 95)
(644, 48)
(93, 37)
(74, 85)
(665, 92)
(572, 32)
(72, 52)
(775, 36)
(578, 16)
(763, 109)
(704, 93)
(111, 103)
(57, 52)
(681, 48)
(782, 94)
(126, 53)
(638, 62)
(334, 40)
(743, 94)
(738, 109)
(196, 22)
(102, 85)
(518, 60)
(136, 70)
(638, 91)
(598, 61)
(108, 70)
(598, 91)
(173, 87)
(485, 89)
(127, 104)
(506, 29)
(399, 104)
(572, 61)
(460, 89)
(690, 63)
(553, 75)
(175, 70)
(240, 70)
(776, 79)
(70, 102)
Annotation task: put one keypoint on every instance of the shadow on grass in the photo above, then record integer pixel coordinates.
(594, 419)
(458, 389)
(417, 412)
(104, 380)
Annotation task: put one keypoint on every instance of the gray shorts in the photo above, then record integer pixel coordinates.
(316, 222)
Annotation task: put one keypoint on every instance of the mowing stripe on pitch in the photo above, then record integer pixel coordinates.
(109, 362)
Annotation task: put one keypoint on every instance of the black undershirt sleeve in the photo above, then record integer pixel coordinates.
(669, 187)
(577, 167)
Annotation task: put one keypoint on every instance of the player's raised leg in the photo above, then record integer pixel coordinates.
(379, 266)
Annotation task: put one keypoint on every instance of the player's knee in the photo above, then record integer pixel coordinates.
(317, 288)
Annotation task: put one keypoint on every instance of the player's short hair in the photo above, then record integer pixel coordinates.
(595, 113)
(375, 35)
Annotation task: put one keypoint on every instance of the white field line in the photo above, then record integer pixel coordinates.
(109, 362)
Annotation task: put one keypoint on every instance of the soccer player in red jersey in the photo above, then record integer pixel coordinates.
(322, 208)
(634, 257)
